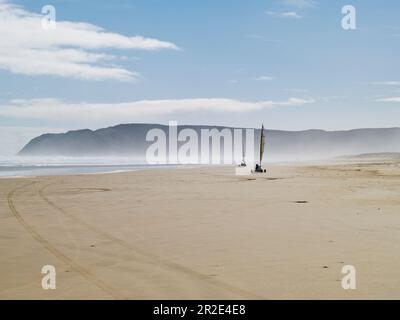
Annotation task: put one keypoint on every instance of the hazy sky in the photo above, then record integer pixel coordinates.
(287, 63)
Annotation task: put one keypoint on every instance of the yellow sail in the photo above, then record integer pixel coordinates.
(262, 144)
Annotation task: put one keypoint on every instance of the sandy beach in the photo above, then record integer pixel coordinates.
(204, 233)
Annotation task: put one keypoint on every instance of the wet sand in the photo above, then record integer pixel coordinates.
(204, 233)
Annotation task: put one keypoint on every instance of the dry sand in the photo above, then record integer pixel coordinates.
(204, 233)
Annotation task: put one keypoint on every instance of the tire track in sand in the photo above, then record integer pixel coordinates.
(58, 254)
(151, 258)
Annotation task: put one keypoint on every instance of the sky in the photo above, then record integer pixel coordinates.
(286, 63)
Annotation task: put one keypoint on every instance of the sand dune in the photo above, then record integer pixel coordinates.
(204, 233)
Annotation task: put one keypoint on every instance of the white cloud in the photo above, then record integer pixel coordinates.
(53, 109)
(393, 99)
(387, 83)
(71, 50)
(300, 3)
(288, 14)
(265, 78)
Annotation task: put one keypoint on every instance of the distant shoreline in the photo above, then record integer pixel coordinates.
(25, 170)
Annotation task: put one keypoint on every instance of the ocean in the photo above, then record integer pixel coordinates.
(47, 166)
